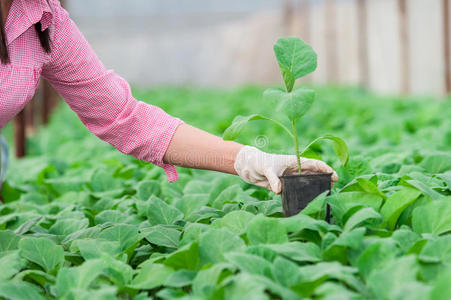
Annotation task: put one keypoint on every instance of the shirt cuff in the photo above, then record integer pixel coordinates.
(170, 170)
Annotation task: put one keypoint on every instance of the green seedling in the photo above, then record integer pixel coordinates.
(296, 59)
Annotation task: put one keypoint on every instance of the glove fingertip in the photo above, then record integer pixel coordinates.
(334, 177)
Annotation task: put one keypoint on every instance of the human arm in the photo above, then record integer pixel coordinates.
(103, 100)
(193, 148)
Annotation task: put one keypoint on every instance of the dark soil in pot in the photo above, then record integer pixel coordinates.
(299, 190)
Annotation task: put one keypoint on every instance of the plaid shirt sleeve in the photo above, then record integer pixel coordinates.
(103, 100)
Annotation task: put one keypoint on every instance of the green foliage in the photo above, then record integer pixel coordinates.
(296, 59)
(83, 221)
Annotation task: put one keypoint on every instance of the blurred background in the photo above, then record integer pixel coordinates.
(389, 46)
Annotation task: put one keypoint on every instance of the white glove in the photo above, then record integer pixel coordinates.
(264, 169)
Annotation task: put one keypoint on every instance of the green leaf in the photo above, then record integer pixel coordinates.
(441, 287)
(437, 251)
(285, 272)
(103, 181)
(35, 276)
(208, 279)
(432, 218)
(338, 249)
(345, 204)
(8, 240)
(376, 256)
(68, 225)
(250, 263)
(117, 271)
(126, 235)
(150, 276)
(19, 291)
(264, 230)
(384, 282)
(79, 277)
(234, 130)
(405, 238)
(288, 77)
(297, 251)
(159, 212)
(424, 188)
(244, 286)
(340, 147)
(148, 188)
(314, 275)
(236, 221)
(180, 278)
(296, 56)
(396, 203)
(238, 124)
(162, 236)
(42, 251)
(186, 257)
(437, 163)
(93, 248)
(293, 104)
(214, 243)
(370, 187)
(11, 264)
(361, 215)
(317, 207)
(111, 216)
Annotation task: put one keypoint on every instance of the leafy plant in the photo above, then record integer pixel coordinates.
(81, 220)
(296, 59)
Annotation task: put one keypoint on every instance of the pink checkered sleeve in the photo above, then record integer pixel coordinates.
(103, 100)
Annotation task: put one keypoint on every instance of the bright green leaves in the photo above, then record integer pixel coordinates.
(433, 218)
(396, 203)
(162, 236)
(8, 240)
(125, 235)
(437, 251)
(151, 275)
(159, 212)
(19, 291)
(263, 230)
(386, 282)
(235, 221)
(11, 264)
(292, 104)
(234, 130)
(42, 252)
(186, 257)
(296, 59)
(214, 243)
(340, 147)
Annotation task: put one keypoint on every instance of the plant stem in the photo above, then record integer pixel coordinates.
(296, 145)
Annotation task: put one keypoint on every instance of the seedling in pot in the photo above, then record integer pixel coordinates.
(296, 59)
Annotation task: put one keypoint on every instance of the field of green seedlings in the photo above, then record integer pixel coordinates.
(83, 221)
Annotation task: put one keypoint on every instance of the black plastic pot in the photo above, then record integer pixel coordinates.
(299, 190)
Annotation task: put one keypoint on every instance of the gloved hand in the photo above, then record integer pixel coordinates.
(264, 169)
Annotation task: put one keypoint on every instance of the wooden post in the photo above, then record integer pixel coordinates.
(46, 103)
(404, 38)
(288, 16)
(362, 33)
(446, 48)
(331, 41)
(29, 118)
(19, 133)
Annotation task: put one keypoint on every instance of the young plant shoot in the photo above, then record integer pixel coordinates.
(296, 59)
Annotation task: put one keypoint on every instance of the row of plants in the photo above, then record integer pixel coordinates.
(81, 220)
